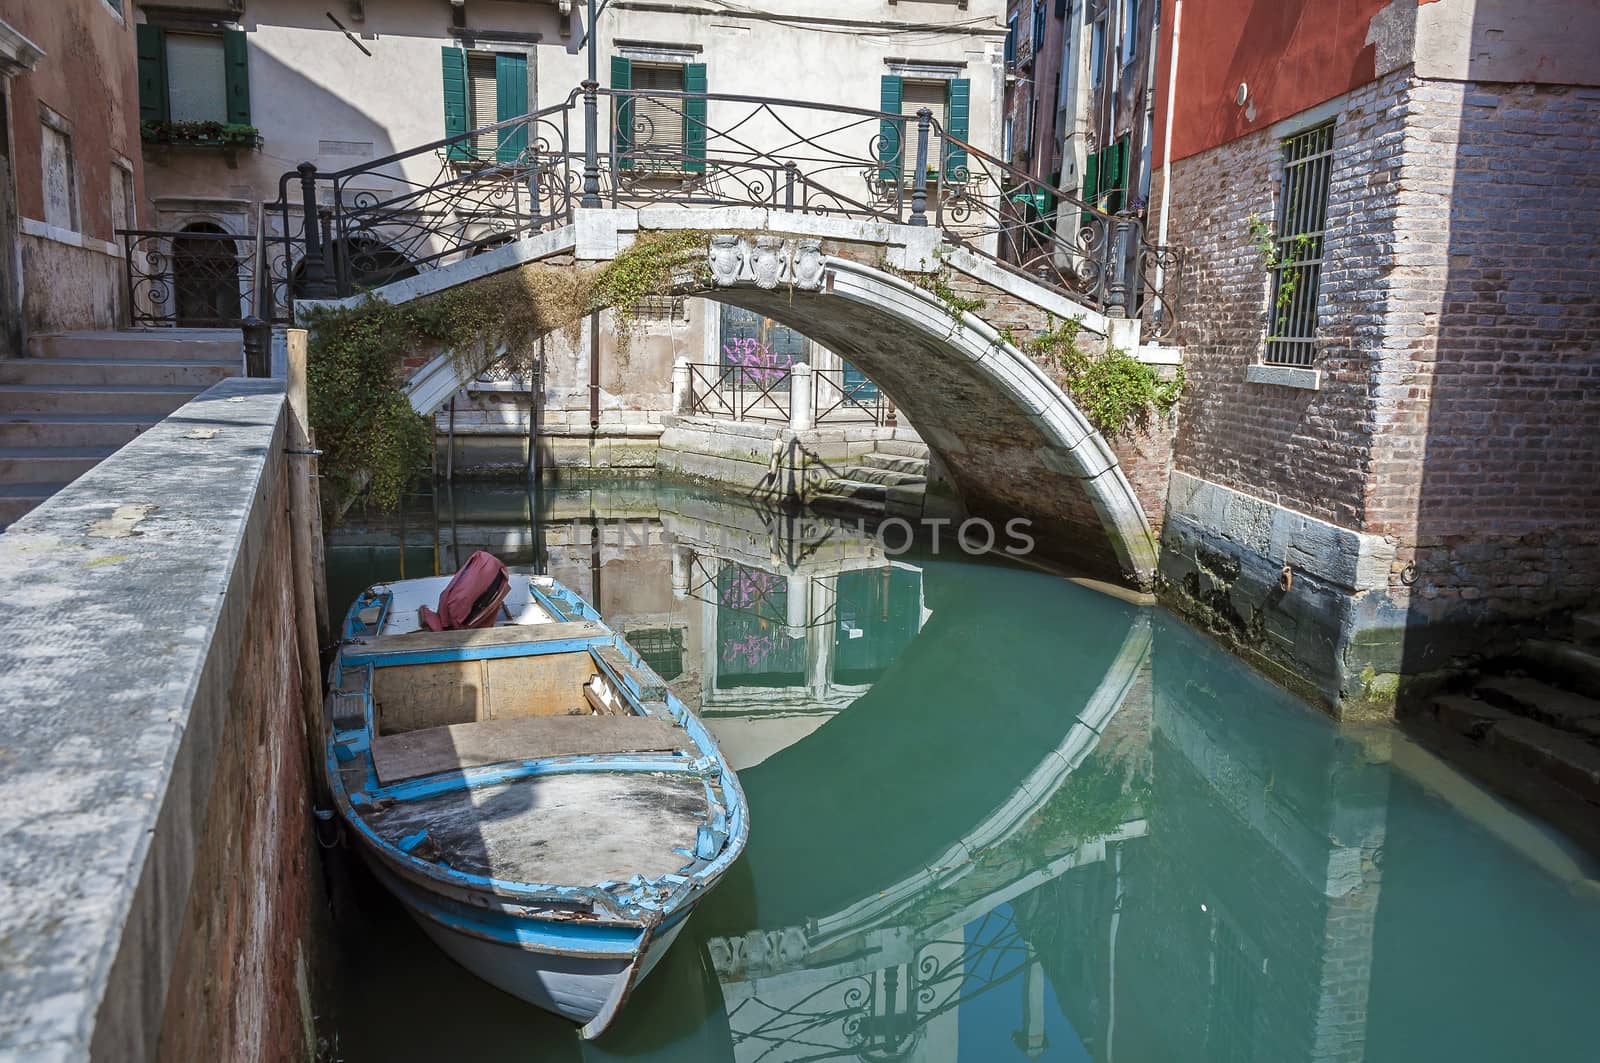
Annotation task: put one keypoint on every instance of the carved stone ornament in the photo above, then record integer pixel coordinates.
(770, 262)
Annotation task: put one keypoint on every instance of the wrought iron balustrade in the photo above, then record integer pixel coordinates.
(189, 278)
(762, 393)
(423, 208)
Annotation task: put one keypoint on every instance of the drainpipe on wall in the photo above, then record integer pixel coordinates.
(1166, 137)
(594, 371)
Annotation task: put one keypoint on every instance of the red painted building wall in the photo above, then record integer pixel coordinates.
(1292, 55)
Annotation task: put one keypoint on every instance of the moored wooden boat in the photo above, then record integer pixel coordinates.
(543, 807)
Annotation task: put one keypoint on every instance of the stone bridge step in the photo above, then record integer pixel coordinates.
(889, 478)
(204, 345)
(17, 499)
(1546, 704)
(20, 465)
(121, 372)
(1575, 667)
(159, 400)
(858, 489)
(1586, 629)
(72, 430)
(897, 463)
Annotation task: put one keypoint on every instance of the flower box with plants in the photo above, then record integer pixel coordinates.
(231, 135)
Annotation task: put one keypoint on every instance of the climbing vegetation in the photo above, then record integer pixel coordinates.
(371, 438)
(1115, 390)
(1273, 259)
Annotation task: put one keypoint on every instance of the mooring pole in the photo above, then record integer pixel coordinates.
(305, 528)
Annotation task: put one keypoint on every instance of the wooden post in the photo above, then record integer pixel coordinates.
(305, 534)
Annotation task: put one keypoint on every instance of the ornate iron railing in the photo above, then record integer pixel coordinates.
(426, 207)
(189, 279)
(762, 393)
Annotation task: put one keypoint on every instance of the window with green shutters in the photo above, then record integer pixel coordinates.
(950, 100)
(660, 132)
(1105, 178)
(482, 89)
(192, 77)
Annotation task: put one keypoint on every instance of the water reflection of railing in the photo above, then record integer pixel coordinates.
(882, 1013)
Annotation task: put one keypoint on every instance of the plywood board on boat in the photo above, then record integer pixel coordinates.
(411, 642)
(410, 697)
(572, 830)
(474, 745)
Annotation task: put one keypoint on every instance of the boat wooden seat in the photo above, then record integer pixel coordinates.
(471, 641)
(456, 747)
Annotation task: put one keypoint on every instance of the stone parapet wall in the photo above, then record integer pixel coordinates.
(155, 799)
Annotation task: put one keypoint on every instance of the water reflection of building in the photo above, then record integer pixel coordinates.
(894, 973)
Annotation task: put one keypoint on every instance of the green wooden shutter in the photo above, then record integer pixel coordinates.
(151, 42)
(957, 119)
(1091, 182)
(454, 62)
(1117, 175)
(236, 63)
(694, 118)
(622, 78)
(511, 101)
(890, 98)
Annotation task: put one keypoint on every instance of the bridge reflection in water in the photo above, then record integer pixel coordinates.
(995, 816)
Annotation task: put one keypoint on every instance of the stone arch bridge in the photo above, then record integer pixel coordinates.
(1011, 441)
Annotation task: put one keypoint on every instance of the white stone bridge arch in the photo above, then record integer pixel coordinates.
(1012, 441)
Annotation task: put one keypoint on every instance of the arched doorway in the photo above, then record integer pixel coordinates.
(205, 276)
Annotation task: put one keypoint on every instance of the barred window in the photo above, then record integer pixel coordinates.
(661, 308)
(1297, 247)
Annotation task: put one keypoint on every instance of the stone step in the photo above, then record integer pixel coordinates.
(71, 430)
(18, 499)
(204, 345)
(897, 463)
(190, 373)
(1466, 716)
(867, 492)
(21, 465)
(1586, 629)
(1577, 668)
(907, 448)
(887, 477)
(830, 502)
(1563, 758)
(1547, 704)
(92, 398)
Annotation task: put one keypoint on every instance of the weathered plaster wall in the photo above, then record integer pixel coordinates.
(87, 83)
(154, 791)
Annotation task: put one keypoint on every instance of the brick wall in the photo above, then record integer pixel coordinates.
(1488, 452)
(235, 984)
(1302, 449)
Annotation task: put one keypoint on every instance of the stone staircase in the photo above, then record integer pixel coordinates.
(79, 396)
(891, 481)
(1529, 726)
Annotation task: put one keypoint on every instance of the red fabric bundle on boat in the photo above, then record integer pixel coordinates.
(472, 598)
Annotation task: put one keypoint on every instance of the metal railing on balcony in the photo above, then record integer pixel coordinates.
(765, 393)
(339, 232)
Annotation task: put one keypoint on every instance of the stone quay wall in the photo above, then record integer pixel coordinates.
(155, 794)
(1449, 435)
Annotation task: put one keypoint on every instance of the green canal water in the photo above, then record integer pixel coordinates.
(995, 816)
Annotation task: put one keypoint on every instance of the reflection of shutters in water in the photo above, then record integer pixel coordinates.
(877, 614)
(661, 648)
(205, 277)
(753, 647)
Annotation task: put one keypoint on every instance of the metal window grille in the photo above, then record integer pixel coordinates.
(662, 308)
(1301, 230)
(661, 648)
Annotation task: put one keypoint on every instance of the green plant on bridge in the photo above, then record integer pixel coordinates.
(371, 438)
(937, 284)
(1114, 390)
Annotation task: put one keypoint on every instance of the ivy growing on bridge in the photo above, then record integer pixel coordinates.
(1113, 389)
(371, 438)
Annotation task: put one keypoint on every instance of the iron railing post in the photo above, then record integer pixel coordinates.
(257, 347)
(789, 169)
(591, 120)
(919, 179)
(1117, 290)
(316, 274)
